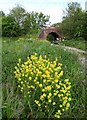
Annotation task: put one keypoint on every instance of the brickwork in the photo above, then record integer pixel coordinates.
(49, 30)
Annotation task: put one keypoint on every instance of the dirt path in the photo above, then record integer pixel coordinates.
(74, 49)
(82, 55)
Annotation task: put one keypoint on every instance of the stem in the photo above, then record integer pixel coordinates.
(30, 106)
(34, 92)
(51, 113)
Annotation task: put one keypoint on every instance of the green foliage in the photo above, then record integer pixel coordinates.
(79, 43)
(34, 21)
(84, 34)
(9, 27)
(73, 22)
(19, 22)
(19, 14)
(14, 103)
(2, 14)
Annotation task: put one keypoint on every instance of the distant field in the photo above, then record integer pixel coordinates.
(14, 105)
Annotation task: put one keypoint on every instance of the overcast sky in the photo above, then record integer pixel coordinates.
(53, 8)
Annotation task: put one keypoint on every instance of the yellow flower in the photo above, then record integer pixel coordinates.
(59, 111)
(59, 95)
(28, 86)
(54, 103)
(62, 109)
(32, 86)
(61, 106)
(43, 90)
(61, 73)
(49, 100)
(41, 76)
(30, 78)
(35, 80)
(44, 80)
(56, 80)
(44, 95)
(55, 94)
(68, 104)
(19, 79)
(69, 99)
(19, 60)
(48, 88)
(19, 86)
(66, 80)
(58, 116)
(28, 92)
(58, 86)
(39, 104)
(40, 85)
(21, 82)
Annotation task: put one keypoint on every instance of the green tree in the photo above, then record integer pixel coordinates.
(2, 14)
(19, 14)
(35, 21)
(73, 20)
(84, 34)
(24, 22)
(9, 27)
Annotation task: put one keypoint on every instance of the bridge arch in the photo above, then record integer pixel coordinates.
(49, 31)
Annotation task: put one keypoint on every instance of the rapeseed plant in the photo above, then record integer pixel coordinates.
(40, 80)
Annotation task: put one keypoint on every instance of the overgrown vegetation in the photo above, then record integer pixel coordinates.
(76, 43)
(14, 103)
(19, 22)
(74, 23)
(20, 80)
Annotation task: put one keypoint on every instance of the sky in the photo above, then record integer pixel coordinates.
(53, 8)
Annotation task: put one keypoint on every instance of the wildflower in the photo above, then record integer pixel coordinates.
(69, 99)
(40, 78)
(49, 100)
(40, 85)
(56, 80)
(67, 105)
(54, 103)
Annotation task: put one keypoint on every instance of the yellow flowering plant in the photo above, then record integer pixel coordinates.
(40, 80)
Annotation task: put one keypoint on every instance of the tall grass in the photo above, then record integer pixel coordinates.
(14, 104)
(0, 77)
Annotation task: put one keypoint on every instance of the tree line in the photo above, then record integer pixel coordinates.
(74, 22)
(19, 22)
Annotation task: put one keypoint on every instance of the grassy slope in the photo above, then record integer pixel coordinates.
(0, 77)
(22, 48)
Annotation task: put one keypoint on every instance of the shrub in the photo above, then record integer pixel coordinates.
(40, 81)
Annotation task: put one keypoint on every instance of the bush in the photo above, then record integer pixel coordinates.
(40, 81)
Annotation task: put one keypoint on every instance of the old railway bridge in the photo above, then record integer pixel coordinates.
(50, 31)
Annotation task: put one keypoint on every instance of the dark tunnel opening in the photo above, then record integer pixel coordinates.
(52, 37)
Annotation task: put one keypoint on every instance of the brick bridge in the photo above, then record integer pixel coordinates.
(49, 30)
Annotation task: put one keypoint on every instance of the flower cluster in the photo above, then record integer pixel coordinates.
(40, 79)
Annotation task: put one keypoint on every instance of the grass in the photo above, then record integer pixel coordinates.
(0, 77)
(76, 43)
(14, 104)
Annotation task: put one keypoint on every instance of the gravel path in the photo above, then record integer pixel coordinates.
(81, 55)
(74, 49)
